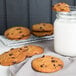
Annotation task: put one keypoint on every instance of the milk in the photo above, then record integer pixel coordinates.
(65, 34)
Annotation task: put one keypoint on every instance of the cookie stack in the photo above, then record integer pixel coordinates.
(42, 29)
(17, 33)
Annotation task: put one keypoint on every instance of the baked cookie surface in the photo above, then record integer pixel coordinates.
(17, 33)
(61, 7)
(47, 64)
(33, 50)
(42, 27)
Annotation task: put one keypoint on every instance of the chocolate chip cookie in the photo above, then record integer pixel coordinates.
(13, 56)
(17, 33)
(47, 64)
(61, 7)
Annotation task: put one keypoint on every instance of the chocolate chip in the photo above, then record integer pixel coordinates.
(10, 54)
(13, 57)
(43, 56)
(62, 9)
(20, 48)
(12, 49)
(60, 65)
(19, 38)
(54, 65)
(14, 62)
(52, 57)
(41, 65)
(41, 28)
(28, 56)
(58, 5)
(52, 60)
(20, 31)
(7, 34)
(23, 35)
(25, 46)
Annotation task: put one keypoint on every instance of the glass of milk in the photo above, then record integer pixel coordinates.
(65, 33)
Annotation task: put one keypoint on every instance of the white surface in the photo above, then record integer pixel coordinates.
(65, 35)
(26, 70)
(4, 71)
